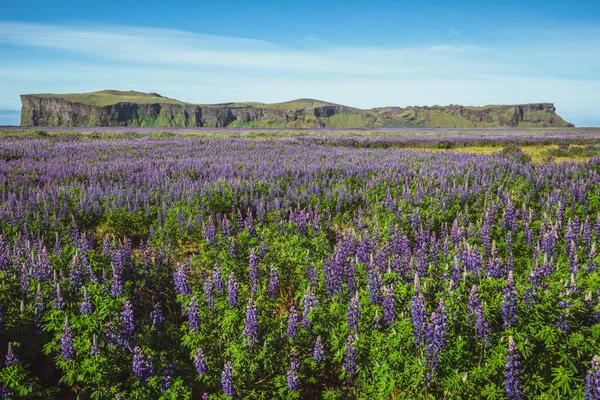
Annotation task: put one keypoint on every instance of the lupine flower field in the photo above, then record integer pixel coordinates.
(291, 267)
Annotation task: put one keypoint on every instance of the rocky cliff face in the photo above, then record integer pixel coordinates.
(38, 110)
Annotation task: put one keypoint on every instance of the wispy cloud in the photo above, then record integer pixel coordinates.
(172, 47)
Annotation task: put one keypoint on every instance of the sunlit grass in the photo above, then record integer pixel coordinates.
(538, 153)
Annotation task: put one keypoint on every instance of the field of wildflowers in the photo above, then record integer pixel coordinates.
(335, 267)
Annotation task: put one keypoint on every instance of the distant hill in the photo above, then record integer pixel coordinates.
(120, 108)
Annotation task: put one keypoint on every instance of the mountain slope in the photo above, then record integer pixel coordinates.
(118, 108)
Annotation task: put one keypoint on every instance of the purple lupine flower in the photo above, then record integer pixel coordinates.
(350, 357)
(273, 282)
(562, 321)
(312, 274)
(376, 321)
(43, 267)
(353, 313)
(165, 380)
(126, 330)
(509, 302)
(494, 266)
(180, 277)
(192, 314)
(117, 280)
(227, 380)
(389, 306)
(250, 224)
(418, 317)
(225, 227)
(477, 317)
(76, 274)
(200, 362)
(210, 231)
(57, 246)
(5, 393)
(59, 302)
(217, 281)
(471, 259)
(106, 246)
(142, 365)
(253, 268)
(456, 273)
(251, 329)
(363, 251)
(309, 303)
(292, 373)
(86, 304)
(66, 342)
(591, 260)
(512, 382)
(292, 328)
(232, 252)
(95, 351)
(156, 317)
(208, 294)
(11, 358)
(24, 278)
(435, 338)
(374, 281)
(592, 380)
(318, 350)
(232, 291)
(421, 264)
(262, 248)
(38, 311)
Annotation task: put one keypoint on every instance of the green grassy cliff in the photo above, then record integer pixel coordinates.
(119, 108)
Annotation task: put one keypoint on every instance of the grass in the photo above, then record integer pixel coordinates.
(538, 153)
(110, 97)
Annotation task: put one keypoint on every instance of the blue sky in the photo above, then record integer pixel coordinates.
(363, 54)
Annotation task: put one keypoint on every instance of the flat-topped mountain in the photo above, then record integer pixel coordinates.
(129, 108)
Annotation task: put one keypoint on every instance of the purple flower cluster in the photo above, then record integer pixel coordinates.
(350, 356)
(156, 317)
(126, 330)
(192, 314)
(227, 380)
(11, 358)
(208, 294)
(95, 350)
(435, 338)
(389, 306)
(86, 304)
(180, 278)
(200, 362)
(253, 268)
(292, 328)
(318, 350)
(66, 342)
(292, 373)
(251, 329)
(309, 303)
(273, 282)
(232, 291)
(592, 380)
(477, 317)
(509, 302)
(418, 318)
(142, 365)
(353, 314)
(512, 372)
